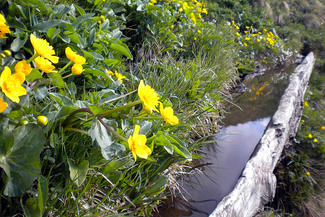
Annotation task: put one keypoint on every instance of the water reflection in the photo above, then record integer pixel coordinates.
(228, 157)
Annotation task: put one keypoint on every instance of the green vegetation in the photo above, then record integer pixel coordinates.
(103, 102)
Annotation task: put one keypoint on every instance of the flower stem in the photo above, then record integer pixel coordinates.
(111, 130)
(64, 67)
(119, 108)
(32, 58)
(67, 76)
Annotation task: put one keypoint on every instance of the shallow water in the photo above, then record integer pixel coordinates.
(227, 156)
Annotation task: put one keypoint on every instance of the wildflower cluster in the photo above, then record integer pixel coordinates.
(249, 36)
(150, 101)
(12, 85)
(120, 77)
(193, 9)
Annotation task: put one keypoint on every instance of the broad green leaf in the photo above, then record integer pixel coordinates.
(124, 50)
(145, 127)
(21, 161)
(56, 80)
(99, 134)
(78, 172)
(31, 208)
(62, 99)
(74, 38)
(15, 114)
(34, 75)
(95, 109)
(18, 43)
(96, 72)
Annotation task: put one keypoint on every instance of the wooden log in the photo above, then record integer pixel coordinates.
(257, 184)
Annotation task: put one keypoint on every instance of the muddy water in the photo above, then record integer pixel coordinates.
(226, 157)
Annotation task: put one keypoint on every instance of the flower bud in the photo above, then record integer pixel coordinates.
(24, 122)
(77, 69)
(2, 55)
(42, 120)
(7, 52)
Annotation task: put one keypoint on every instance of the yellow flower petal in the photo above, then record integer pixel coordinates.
(3, 105)
(137, 144)
(148, 96)
(11, 84)
(44, 65)
(23, 67)
(74, 57)
(168, 115)
(77, 69)
(43, 48)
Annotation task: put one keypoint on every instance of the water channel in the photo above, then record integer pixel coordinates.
(227, 156)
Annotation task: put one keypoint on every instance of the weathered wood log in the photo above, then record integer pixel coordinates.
(257, 184)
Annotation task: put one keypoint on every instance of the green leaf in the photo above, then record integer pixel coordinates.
(42, 190)
(79, 9)
(145, 127)
(34, 75)
(18, 43)
(99, 134)
(56, 80)
(82, 19)
(112, 62)
(95, 109)
(44, 26)
(15, 114)
(78, 172)
(97, 56)
(115, 165)
(21, 160)
(31, 208)
(124, 50)
(157, 186)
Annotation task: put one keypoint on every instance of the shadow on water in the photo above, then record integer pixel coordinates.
(226, 157)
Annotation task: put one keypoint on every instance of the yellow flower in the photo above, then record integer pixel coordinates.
(77, 69)
(44, 65)
(237, 34)
(119, 76)
(315, 140)
(308, 173)
(3, 27)
(245, 44)
(306, 104)
(3, 105)
(43, 48)
(247, 39)
(109, 72)
(172, 26)
(102, 18)
(310, 136)
(148, 96)
(302, 121)
(199, 31)
(168, 115)
(193, 18)
(23, 67)
(323, 127)
(7, 52)
(11, 84)
(195, 38)
(74, 57)
(137, 144)
(42, 120)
